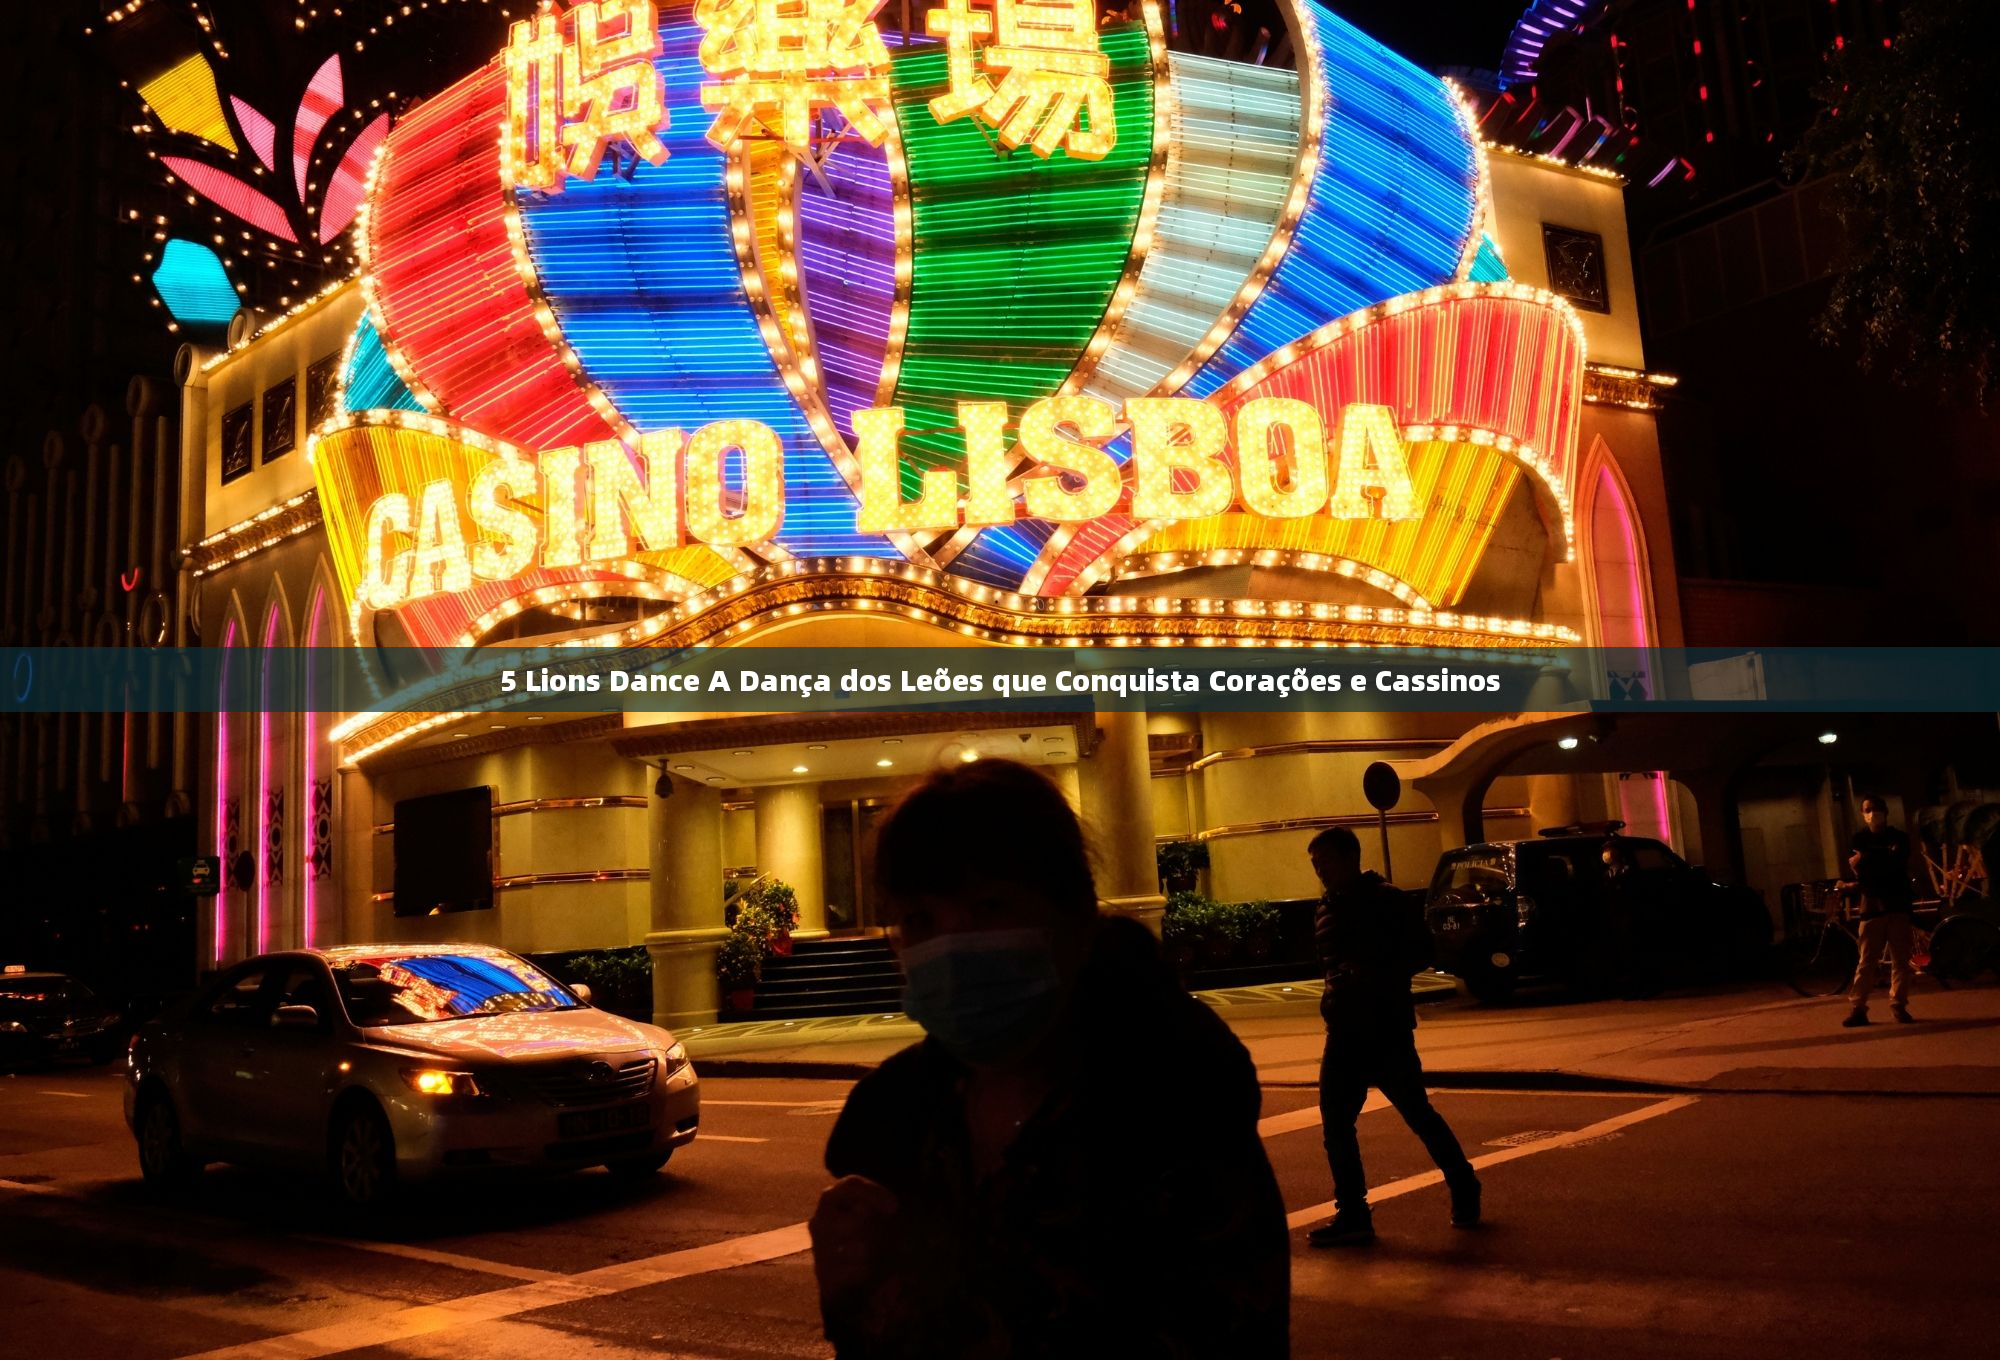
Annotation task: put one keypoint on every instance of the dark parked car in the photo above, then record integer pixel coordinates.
(50, 1015)
(1505, 911)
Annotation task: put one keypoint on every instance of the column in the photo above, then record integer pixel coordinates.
(788, 847)
(685, 837)
(1118, 811)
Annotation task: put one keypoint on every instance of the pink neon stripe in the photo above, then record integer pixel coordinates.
(312, 739)
(342, 199)
(232, 194)
(324, 96)
(222, 719)
(263, 850)
(261, 132)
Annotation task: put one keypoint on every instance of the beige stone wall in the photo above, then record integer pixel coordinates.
(1529, 192)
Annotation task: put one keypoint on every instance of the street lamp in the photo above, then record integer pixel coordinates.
(1828, 738)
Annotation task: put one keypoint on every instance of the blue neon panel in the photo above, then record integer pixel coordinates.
(371, 383)
(643, 276)
(1392, 203)
(194, 286)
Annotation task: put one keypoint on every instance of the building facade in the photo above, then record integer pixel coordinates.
(1208, 352)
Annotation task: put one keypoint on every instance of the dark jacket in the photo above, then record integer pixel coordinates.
(1371, 940)
(1135, 1215)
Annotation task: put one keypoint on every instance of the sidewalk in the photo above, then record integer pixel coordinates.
(1753, 1037)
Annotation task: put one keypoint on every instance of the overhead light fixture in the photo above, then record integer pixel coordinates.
(817, 746)
(683, 768)
(799, 769)
(715, 779)
(968, 755)
(1828, 738)
(497, 727)
(742, 753)
(1568, 743)
(892, 741)
(534, 717)
(884, 763)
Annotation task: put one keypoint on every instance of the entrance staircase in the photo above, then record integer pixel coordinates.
(829, 977)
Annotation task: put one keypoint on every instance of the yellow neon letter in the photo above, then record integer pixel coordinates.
(1164, 463)
(878, 434)
(1047, 497)
(648, 495)
(439, 563)
(987, 499)
(507, 547)
(1257, 461)
(763, 499)
(388, 578)
(562, 511)
(1374, 477)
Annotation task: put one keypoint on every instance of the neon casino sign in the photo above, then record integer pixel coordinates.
(1024, 303)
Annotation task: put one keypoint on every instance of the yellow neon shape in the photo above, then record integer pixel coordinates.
(388, 578)
(1047, 497)
(763, 499)
(1373, 481)
(878, 433)
(1258, 463)
(1158, 452)
(508, 532)
(647, 497)
(987, 499)
(562, 528)
(185, 98)
(439, 563)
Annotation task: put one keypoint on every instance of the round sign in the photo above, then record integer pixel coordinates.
(1381, 785)
(1501, 960)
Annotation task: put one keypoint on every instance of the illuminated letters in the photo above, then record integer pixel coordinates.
(648, 496)
(388, 578)
(507, 547)
(1178, 479)
(1258, 462)
(779, 61)
(569, 99)
(987, 499)
(763, 498)
(1373, 481)
(1047, 496)
(439, 562)
(562, 527)
(1054, 88)
(878, 434)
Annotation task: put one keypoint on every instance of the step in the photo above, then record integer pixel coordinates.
(813, 1011)
(830, 986)
(778, 966)
(868, 946)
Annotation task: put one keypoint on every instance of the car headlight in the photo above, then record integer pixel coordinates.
(12, 1027)
(673, 1059)
(428, 1081)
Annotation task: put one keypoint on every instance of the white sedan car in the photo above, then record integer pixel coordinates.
(382, 1065)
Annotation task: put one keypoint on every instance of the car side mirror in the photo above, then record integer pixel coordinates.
(295, 1017)
(582, 992)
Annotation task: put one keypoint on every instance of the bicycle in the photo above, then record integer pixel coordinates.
(1823, 940)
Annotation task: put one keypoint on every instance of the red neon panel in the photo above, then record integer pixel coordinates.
(343, 192)
(263, 136)
(324, 96)
(1510, 365)
(447, 291)
(232, 195)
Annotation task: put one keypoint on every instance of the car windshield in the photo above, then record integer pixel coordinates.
(26, 993)
(414, 989)
(1472, 876)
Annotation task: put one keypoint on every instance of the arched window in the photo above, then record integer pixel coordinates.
(231, 739)
(316, 772)
(277, 714)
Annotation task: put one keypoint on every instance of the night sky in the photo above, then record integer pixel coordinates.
(1438, 33)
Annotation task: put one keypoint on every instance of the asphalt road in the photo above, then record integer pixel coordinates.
(1621, 1225)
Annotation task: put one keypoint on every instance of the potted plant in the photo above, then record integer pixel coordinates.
(1260, 930)
(1179, 862)
(739, 967)
(1184, 928)
(779, 903)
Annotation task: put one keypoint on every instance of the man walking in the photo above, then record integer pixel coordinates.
(1371, 941)
(1880, 862)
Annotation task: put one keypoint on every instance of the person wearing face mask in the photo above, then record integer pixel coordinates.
(1068, 1163)
(1879, 859)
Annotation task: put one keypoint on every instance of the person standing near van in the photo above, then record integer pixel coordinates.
(1371, 942)
(1879, 859)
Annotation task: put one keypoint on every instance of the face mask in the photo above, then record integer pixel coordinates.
(986, 995)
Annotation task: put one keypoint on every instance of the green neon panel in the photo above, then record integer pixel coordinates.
(1015, 257)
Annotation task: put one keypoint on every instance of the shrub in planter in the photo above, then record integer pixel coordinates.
(620, 980)
(1190, 927)
(776, 905)
(739, 967)
(1179, 862)
(1259, 922)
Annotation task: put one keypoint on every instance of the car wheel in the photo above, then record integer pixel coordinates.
(638, 1168)
(163, 1159)
(363, 1155)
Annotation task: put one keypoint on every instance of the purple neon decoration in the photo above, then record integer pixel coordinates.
(1540, 20)
(847, 264)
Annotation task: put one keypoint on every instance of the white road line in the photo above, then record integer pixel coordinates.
(426, 1319)
(66, 1095)
(728, 1138)
(1271, 1125)
(780, 1104)
(439, 1258)
(1561, 1140)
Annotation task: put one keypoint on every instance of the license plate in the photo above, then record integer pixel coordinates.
(588, 1123)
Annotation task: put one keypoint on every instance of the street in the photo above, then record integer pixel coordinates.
(1620, 1225)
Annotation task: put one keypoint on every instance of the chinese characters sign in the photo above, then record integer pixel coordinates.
(577, 84)
(1054, 88)
(779, 62)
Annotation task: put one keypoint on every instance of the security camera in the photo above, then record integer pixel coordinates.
(663, 787)
(1027, 737)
